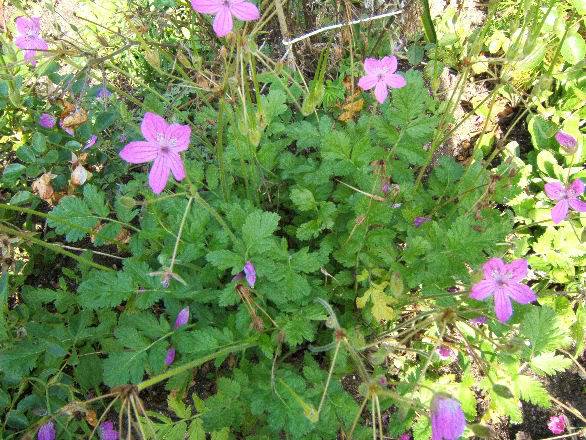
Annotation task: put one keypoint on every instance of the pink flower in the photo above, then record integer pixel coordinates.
(447, 418)
(46, 432)
(107, 431)
(170, 357)
(381, 75)
(566, 198)
(557, 424)
(503, 281)
(250, 273)
(90, 142)
(405, 436)
(163, 144)
(418, 221)
(182, 317)
(224, 10)
(444, 352)
(29, 39)
(567, 141)
(479, 320)
(47, 121)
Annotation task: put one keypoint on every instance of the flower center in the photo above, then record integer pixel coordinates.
(501, 278)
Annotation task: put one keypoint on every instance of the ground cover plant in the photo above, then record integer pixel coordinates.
(301, 220)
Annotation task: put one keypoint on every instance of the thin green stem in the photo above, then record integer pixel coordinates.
(51, 246)
(181, 225)
(195, 363)
(323, 397)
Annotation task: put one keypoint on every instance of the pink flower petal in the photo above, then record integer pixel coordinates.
(153, 127)
(182, 317)
(24, 25)
(21, 42)
(482, 290)
(565, 139)
(170, 356)
(139, 152)
(37, 43)
(381, 92)
(207, 6)
(181, 134)
(492, 267)
(176, 165)
(577, 205)
(159, 174)
(577, 186)
(502, 306)
(244, 11)
(518, 269)
(555, 190)
(390, 63)
(223, 22)
(559, 211)
(521, 293)
(395, 81)
(371, 66)
(367, 82)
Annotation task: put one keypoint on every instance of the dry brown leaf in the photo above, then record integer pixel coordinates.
(72, 116)
(79, 175)
(42, 186)
(91, 418)
(351, 109)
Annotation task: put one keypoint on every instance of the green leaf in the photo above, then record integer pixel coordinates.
(39, 142)
(13, 170)
(573, 48)
(225, 259)
(104, 120)
(95, 200)
(125, 367)
(543, 330)
(303, 199)
(105, 289)
(257, 227)
(73, 218)
(531, 390)
(549, 363)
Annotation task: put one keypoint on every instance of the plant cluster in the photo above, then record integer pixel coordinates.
(282, 258)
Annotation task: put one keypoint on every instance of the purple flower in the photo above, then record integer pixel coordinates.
(107, 431)
(182, 317)
(418, 221)
(447, 418)
(386, 187)
(90, 142)
(381, 75)
(567, 141)
(504, 282)
(250, 273)
(224, 10)
(47, 121)
(444, 352)
(46, 432)
(29, 39)
(170, 357)
(103, 93)
(557, 424)
(479, 320)
(163, 144)
(566, 198)
(405, 436)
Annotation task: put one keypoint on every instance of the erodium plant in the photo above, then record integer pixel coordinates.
(314, 269)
